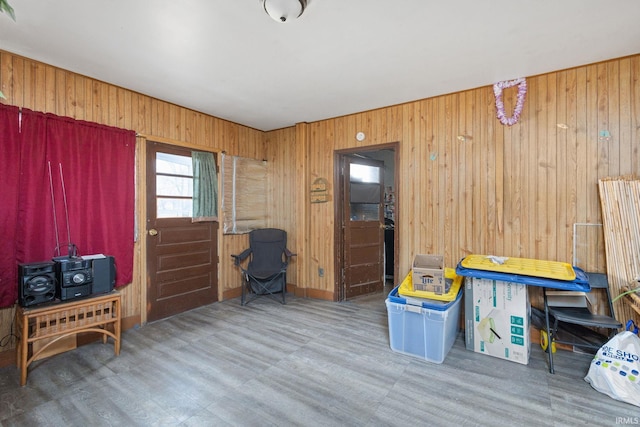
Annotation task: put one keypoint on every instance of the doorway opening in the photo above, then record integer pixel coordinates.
(365, 220)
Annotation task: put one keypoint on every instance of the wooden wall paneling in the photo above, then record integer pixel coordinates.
(38, 88)
(318, 249)
(301, 204)
(623, 119)
(328, 134)
(568, 162)
(456, 178)
(140, 113)
(581, 168)
(541, 169)
(281, 153)
(518, 193)
(492, 160)
(175, 123)
(105, 103)
(289, 202)
(604, 143)
(79, 98)
(365, 123)
(579, 132)
(5, 77)
(70, 95)
(482, 241)
(472, 151)
(555, 234)
(509, 191)
(475, 174)
(435, 157)
(165, 128)
(413, 180)
(496, 167)
(189, 120)
(360, 124)
(593, 211)
(50, 92)
(126, 114)
(91, 99)
(60, 95)
(422, 200)
(562, 159)
(328, 211)
(349, 138)
(381, 126)
(18, 65)
(407, 188)
(528, 162)
(444, 218)
(374, 126)
(612, 118)
(134, 296)
(393, 120)
(464, 175)
(437, 207)
(110, 114)
(223, 130)
(634, 92)
(159, 119)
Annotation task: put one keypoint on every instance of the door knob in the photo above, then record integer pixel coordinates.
(153, 232)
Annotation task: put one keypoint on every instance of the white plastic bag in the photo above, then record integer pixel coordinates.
(615, 369)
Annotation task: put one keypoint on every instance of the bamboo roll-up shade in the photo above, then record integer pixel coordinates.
(244, 194)
(620, 201)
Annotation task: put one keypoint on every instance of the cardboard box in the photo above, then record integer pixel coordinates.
(497, 319)
(428, 274)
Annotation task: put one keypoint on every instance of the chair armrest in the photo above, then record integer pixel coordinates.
(241, 256)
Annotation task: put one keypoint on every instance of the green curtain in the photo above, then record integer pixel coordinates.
(205, 187)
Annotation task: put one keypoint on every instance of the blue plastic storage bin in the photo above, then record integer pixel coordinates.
(422, 328)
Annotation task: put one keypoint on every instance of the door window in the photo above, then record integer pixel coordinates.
(364, 194)
(174, 186)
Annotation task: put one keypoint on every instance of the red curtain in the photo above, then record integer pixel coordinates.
(10, 167)
(75, 186)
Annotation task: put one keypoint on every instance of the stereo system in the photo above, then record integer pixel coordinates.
(65, 278)
(74, 278)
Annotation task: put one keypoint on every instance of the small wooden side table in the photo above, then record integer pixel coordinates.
(56, 321)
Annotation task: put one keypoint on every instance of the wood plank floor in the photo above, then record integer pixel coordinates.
(308, 363)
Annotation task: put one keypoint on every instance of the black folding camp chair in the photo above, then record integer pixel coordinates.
(578, 320)
(266, 270)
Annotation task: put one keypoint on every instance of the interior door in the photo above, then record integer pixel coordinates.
(182, 257)
(363, 225)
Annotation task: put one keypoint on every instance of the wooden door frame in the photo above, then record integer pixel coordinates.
(140, 271)
(339, 292)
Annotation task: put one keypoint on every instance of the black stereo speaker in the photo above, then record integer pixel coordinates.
(104, 275)
(36, 283)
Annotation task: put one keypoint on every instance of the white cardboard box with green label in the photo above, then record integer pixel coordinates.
(497, 319)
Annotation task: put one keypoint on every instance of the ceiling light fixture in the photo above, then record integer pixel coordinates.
(284, 10)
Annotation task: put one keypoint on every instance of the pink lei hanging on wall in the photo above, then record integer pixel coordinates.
(522, 93)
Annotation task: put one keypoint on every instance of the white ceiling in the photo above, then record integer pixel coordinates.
(227, 58)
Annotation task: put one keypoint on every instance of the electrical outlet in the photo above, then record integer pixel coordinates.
(320, 271)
